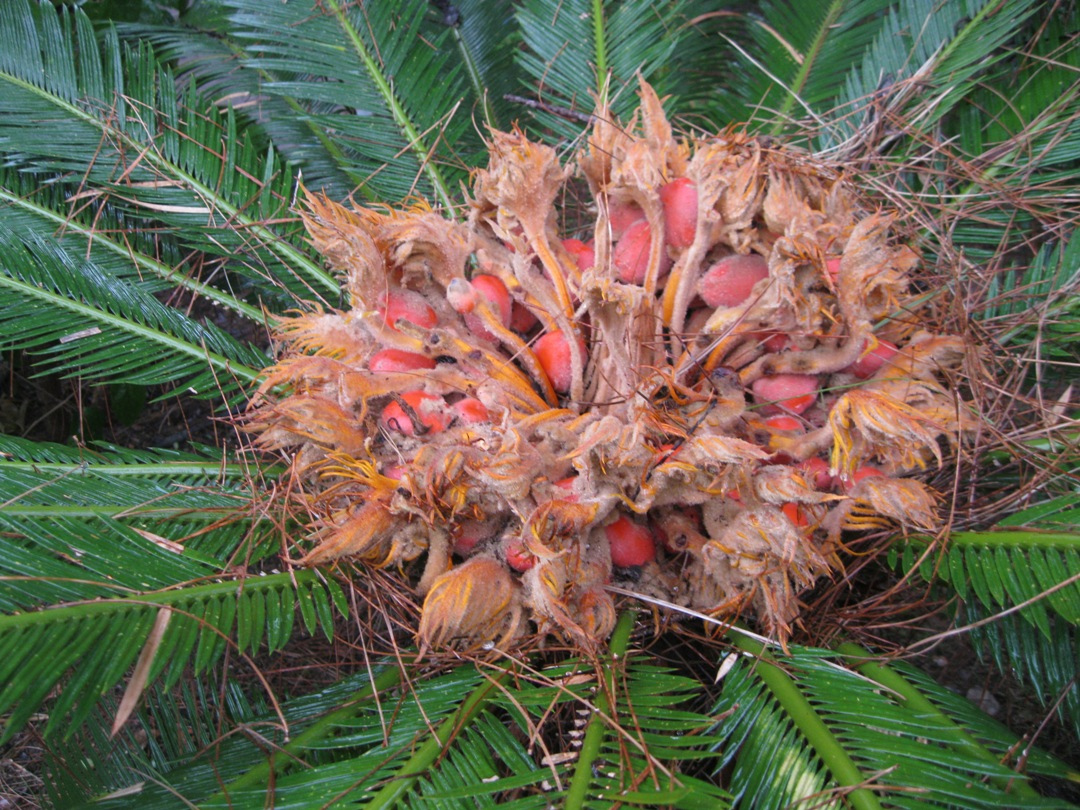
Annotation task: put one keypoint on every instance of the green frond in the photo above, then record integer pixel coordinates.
(623, 38)
(1035, 567)
(931, 51)
(1047, 665)
(486, 39)
(216, 65)
(810, 728)
(184, 719)
(120, 134)
(644, 761)
(387, 73)
(192, 500)
(103, 235)
(1005, 568)
(1047, 79)
(86, 647)
(1040, 303)
(94, 544)
(81, 322)
(363, 740)
(126, 774)
(791, 58)
(829, 42)
(559, 55)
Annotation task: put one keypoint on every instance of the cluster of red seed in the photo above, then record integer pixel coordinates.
(697, 393)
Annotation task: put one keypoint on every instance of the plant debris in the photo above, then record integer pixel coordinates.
(696, 395)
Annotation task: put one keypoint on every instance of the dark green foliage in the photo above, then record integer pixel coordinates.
(149, 175)
(788, 731)
(1030, 567)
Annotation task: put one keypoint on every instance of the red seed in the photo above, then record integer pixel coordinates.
(731, 280)
(872, 361)
(463, 296)
(498, 297)
(816, 471)
(566, 485)
(553, 352)
(630, 543)
(409, 306)
(429, 408)
(680, 201)
(521, 320)
(782, 393)
(471, 411)
(785, 423)
(796, 514)
(517, 556)
(866, 471)
(622, 216)
(832, 267)
(771, 342)
(399, 360)
(631, 254)
(469, 534)
(583, 252)
(861, 473)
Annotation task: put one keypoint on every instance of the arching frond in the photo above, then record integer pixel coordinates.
(358, 741)
(1040, 303)
(791, 58)
(486, 38)
(933, 50)
(207, 57)
(95, 547)
(82, 322)
(570, 47)
(121, 134)
(104, 235)
(824, 729)
(389, 79)
(1034, 574)
(85, 648)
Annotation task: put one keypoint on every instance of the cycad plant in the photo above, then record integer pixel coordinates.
(159, 640)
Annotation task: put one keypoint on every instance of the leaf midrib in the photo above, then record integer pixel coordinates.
(93, 314)
(807, 66)
(231, 213)
(141, 259)
(76, 611)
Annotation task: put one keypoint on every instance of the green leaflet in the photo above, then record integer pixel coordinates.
(86, 647)
(377, 79)
(998, 571)
(108, 329)
(186, 166)
(810, 718)
(176, 167)
(366, 740)
(934, 50)
(571, 46)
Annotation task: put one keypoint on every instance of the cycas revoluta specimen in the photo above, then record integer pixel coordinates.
(699, 391)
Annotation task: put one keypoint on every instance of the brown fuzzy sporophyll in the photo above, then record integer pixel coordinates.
(697, 393)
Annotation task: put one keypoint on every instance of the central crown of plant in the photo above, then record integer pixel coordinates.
(696, 391)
